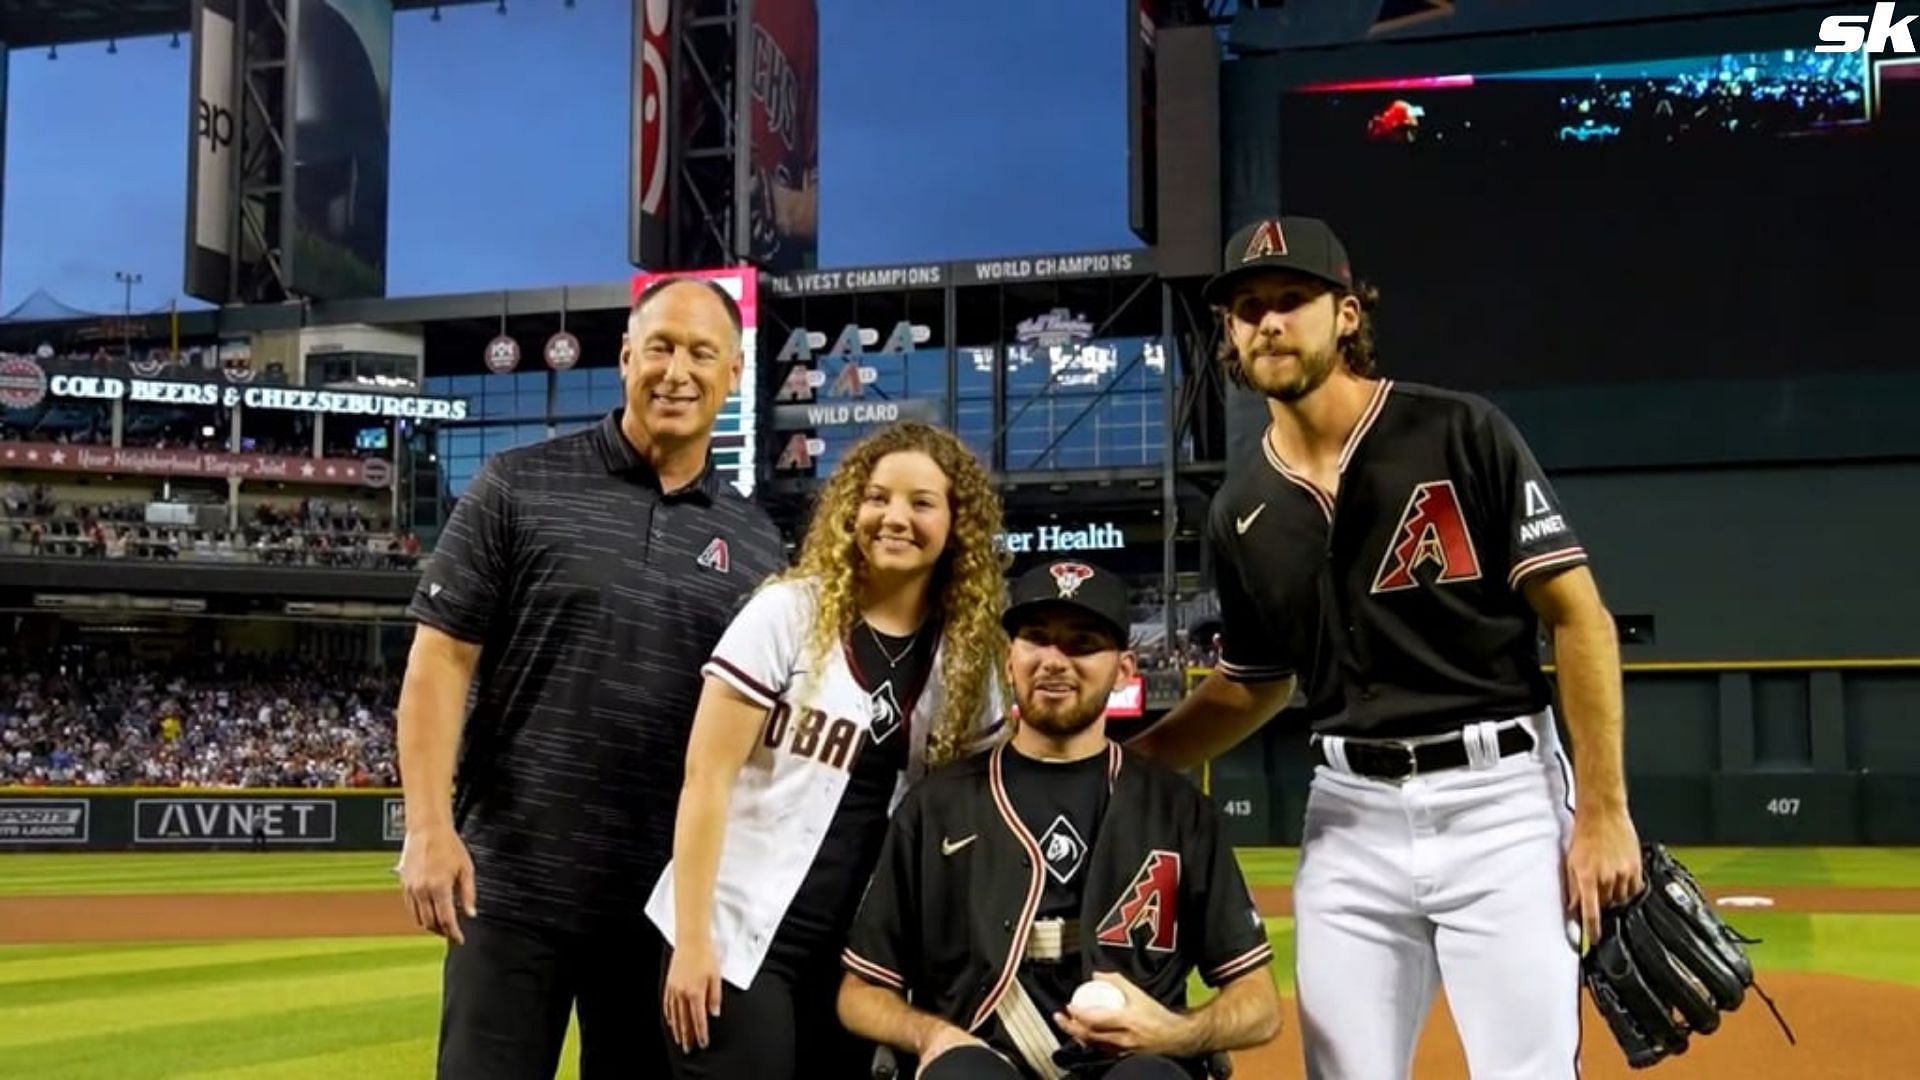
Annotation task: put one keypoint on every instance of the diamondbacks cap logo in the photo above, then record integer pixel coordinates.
(1068, 577)
(715, 557)
(1433, 529)
(1267, 240)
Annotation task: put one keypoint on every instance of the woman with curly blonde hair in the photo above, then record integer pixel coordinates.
(877, 657)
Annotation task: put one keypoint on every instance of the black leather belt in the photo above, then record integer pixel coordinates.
(1398, 761)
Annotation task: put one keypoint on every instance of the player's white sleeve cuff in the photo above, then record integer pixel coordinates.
(1551, 560)
(872, 972)
(1240, 965)
(726, 672)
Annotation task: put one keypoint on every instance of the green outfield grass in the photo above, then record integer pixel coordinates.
(150, 873)
(367, 1008)
(1849, 867)
(281, 871)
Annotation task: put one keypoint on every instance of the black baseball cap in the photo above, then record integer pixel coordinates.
(1073, 583)
(1302, 244)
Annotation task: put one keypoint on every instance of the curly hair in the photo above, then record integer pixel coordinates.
(1356, 349)
(968, 585)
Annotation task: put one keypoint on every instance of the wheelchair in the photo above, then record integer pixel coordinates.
(887, 1065)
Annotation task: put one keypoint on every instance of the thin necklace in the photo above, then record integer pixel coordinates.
(892, 660)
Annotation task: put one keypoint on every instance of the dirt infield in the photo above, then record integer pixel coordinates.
(1845, 1027)
(1278, 900)
(193, 918)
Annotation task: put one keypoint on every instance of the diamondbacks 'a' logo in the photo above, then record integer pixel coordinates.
(715, 557)
(1069, 576)
(1152, 902)
(1267, 240)
(1432, 530)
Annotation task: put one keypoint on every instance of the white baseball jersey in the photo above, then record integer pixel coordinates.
(817, 724)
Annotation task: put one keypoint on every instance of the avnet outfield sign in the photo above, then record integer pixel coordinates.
(233, 821)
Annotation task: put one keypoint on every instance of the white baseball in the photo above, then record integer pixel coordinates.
(1098, 995)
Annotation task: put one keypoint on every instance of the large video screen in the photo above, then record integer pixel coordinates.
(336, 220)
(782, 185)
(1722, 215)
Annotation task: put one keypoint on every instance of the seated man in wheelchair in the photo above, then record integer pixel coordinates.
(1011, 878)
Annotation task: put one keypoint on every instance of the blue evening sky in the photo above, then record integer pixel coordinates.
(949, 129)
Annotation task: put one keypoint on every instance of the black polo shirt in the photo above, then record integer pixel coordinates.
(1397, 601)
(595, 597)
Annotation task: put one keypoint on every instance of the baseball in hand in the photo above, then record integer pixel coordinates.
(1098, 995)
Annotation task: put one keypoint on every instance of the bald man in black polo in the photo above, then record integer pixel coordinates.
(578, 587)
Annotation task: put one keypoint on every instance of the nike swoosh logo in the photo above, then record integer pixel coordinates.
(948, 847)
(1241, 525)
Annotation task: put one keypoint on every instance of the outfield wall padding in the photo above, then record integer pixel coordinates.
(168, 819)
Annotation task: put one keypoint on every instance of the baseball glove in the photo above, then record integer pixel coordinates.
(1666, 966)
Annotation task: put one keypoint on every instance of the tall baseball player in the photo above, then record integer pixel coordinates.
(1012, 878)
(1397, 550)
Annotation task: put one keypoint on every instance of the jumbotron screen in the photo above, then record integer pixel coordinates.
(1718, 216)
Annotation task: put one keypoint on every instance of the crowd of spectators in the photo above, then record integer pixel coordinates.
(228, 723)
(313, 532)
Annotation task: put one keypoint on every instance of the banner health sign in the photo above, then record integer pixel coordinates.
(1105, 536)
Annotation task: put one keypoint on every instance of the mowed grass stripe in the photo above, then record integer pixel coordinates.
(1861, 946)
(194, 872)
(131, 873)
(1716, 867)
(374, 1061)
(132, 958)
(402, 1058)
(1268, 866)
(102, 987)
(1851, 868)
(246, 1004)
(214, 1040)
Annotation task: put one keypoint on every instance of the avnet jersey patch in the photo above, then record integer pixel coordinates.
(1541, 519)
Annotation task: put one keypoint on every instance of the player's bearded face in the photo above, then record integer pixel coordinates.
(1286, 336)
(1064, 667)
(680, 361)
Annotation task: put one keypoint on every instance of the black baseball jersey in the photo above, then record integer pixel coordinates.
(948, 913)
(1397, 601)
(595, 598)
